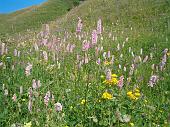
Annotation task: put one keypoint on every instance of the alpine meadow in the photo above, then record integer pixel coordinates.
(86, 63)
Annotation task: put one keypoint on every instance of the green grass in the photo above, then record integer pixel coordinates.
(145, 23)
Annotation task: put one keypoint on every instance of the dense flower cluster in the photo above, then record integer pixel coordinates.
(134, 95)
(107, 95)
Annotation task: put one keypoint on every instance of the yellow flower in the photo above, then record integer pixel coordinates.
(137, 90)
(132, 124)
(129, 93)
(137, 94)
(107, 63)
(133, 97)
(107, 95)
(168, 54)
(83, 101)
(114, 76)
(113, 81)
(28, 124)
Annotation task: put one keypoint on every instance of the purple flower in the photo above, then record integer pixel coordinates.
(79, 25)
(120, 82)
(47, 98)
(86, 45)
(153, 80)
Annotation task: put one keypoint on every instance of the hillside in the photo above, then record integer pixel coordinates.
(112, 72)
(33, 17)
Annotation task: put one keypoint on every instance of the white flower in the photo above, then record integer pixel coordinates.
(58, 107)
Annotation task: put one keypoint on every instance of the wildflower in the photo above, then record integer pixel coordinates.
(28, 69)
(130, 49)
(44, 41)
(79, 25)
(94, 37)
(38, 84)
(111, 79)
(141, 51)
(15, 52)
(118, 46)
(112, 60)
(52, 98)
(47, 98)
(21, 89)
(107, 95)
(104, 55)
(58, 107)
(99, 26)
(108, 54)
(36, 47)
(14, 97)
(134, 95)
(86, 45)
(45, 55)
(120, 67)
(28, 124)
(120, 82)
(137, 94)
(108, 74)
(98, 61)
(121, 55)
(72, 47)
(106, 63)
(145, 59)
(165, 51)
(153, 80)
(2, 48)
(132, 124)
(86, 59)
(83, 101)
(124, 68)
(30, 93)
(126, 118)
(5, 92)
(30, 105)
(34, 85)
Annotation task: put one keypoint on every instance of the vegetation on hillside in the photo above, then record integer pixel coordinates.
(105, 63)
(33, 17)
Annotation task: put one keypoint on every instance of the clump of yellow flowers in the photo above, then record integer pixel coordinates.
(83, 101)
(107, 95)
(111, 79)
(134, 95)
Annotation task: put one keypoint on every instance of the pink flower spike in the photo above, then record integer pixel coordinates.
(120, 82)
(14, 97)
(94, 37)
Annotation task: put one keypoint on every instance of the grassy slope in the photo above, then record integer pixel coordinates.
(33, 17)
(145, 22)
